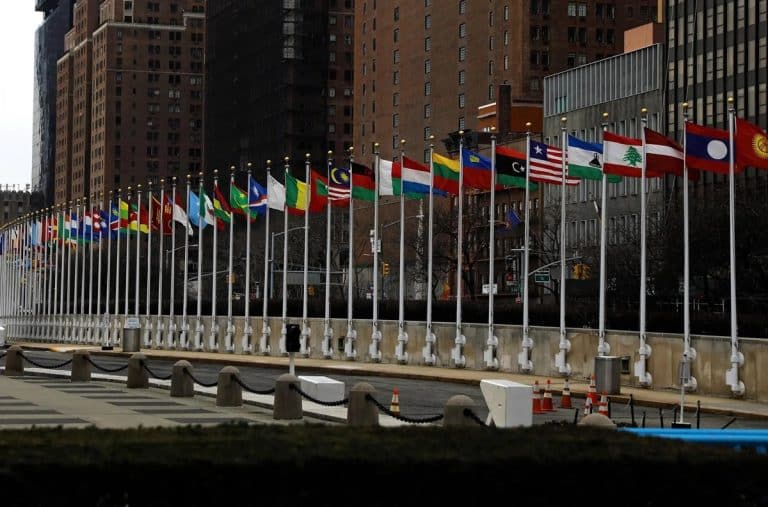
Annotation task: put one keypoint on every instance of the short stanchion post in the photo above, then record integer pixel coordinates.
(182, 384)
(14, 363)
(287, 399)
(228, 391)
(138, 378)
(454, 411)
(81, 367)
(360, 411)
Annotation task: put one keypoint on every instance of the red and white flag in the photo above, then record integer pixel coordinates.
(623, 156)
(662, 155)
(547, 165)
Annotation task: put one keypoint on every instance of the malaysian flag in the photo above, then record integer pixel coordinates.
(547, 165)
(338, 184)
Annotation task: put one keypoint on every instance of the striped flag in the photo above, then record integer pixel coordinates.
(338, 185)
(547, 165)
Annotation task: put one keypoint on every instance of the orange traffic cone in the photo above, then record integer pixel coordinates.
(546, 403)
(588, 406)
(603, 407)
(394, 405)
(537, 398)
(592, 394)
(565, 399)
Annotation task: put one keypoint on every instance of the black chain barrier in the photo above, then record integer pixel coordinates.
(250, 389)
(196, 381)
(153, 374)
(48, 366)
(3, 355)
(315, 400)
(469, 413)
(384, 409)
(102, 368)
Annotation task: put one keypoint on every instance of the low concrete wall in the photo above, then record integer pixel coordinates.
(709, 367)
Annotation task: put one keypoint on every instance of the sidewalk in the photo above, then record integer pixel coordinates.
(579, 387)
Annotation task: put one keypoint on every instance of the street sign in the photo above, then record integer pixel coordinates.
(541, 277)
(486, 288)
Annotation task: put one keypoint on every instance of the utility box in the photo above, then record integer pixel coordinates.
(509, 403)
(131, 335)
(608, 374)
(292, 338)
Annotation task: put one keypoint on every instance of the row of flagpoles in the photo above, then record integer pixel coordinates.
(43, 279)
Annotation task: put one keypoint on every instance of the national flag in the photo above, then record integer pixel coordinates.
(114, 218)
(511, 220)
(386, 179)
(275, 194)
(338, 186)
(179, 215)
(585, 160)
(124, 215)
(477, 170)
(751, 144)
(87, 227)
(238, 199)
(706, 148)
(139, 219)
(510, 168)
(194, 211)
(318, 199)
(662, 155)
(98, 224)
(257, 198)
(162, 214)
(547, 165)
(206, 209)
(363, 182)
(104, 228)
(296, 195)
(624, 156)
(445, 174)
(74, 228)
(221, 210)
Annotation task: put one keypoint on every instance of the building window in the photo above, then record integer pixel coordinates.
(427, 66)
(535, 84)
(506, 38)
(461, 100)
(490, 92)
(462, 53)
(490, 43)
(428, 111)
(582, 10)
(428, 44)
(396, 77)
(396, 56)
(462, 124)
(490, 18)
(462, 6)
(396, 15)
(506, 13)
(427, 89)
(462, 77)
(491, 67)
(506, 62)
(396, 35)
(395, 120)
(462, 30)
(427, 22)
(572, 9)
(427, 133)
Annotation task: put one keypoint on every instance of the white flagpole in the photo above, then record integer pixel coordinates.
(524, 357)
(266, 331)
(160, 260)
(127, 256)
(603, 347)
(373, 349)
(305, 331)
(83, 255)
(328, 332)
(185, 297)
(737, 357)
(430, 340)
(105, 335)
(489, 355)
(171, 336)
(137, 298)
(284, 329)
(76, 309)
(402, 337)
(689, 353)
(68, 331)
(246, 345)
(199, 294)
(148, 303)
(458, 350)
(94, 323)
(350, 352)
(213, 340)
(228, 338)
(563, 272)
(643, 377)
(89, 323)
(116, 312)
(53, 283)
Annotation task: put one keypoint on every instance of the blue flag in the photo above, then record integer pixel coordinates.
(193, 210)
(257, 197)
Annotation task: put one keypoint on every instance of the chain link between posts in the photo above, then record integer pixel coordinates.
(102, 368)
(153, 374)
(384, 409)
(197, 381)
(250, 389)
(3, 355)
(47, 366)
(315, 400)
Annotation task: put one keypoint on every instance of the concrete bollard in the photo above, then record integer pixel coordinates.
(360, 411)
(81, 368)
(287, 400)
(138, 378)
(14, 363)
(454, 411)
(181, 383)
(228, 392)
(598, 420)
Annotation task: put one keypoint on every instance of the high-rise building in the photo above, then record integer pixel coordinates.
(279, 81)
(129, 95)
(49, 46)
(425, 68)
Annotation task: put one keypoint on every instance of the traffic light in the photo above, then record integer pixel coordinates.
(385, 268)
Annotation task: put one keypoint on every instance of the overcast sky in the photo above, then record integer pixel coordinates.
(17, 36)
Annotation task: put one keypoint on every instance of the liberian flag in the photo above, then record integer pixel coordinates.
(547, 165)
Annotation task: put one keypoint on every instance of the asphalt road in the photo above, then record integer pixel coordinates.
(424, 398)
